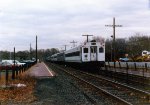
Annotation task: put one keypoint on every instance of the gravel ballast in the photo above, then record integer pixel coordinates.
(58, 90)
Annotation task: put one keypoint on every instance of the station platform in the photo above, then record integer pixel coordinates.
(40, 70)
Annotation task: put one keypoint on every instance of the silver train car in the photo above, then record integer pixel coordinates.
(89, 54)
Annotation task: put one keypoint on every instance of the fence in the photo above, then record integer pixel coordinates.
(136, 68)
(11, 72)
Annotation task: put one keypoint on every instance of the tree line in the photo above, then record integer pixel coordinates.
(133, 46)
(28, 55)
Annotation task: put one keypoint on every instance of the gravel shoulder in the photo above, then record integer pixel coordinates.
(58, 90)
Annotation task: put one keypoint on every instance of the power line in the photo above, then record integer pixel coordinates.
(73, 43)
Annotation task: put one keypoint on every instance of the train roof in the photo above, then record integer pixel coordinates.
(54, 54)
(73, 49)
(93, 42)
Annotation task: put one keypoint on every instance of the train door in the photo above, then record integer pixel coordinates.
(85, 54)
(93, 54)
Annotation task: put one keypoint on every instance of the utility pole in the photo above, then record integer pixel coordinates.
(30, 52)
(65, 47)
(114, 37)
(149, 4)
(14, 56)
(10, 55)
(87, 37)
(36, 48)
(73, 43)
(14, 69)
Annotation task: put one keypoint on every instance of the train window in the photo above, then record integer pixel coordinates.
(73, 54)
(85, 50)
(101, 50)
(93, 43)
(93, 49)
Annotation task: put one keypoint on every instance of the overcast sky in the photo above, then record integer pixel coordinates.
(58, 22)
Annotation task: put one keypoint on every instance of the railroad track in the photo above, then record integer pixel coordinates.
(122, 94)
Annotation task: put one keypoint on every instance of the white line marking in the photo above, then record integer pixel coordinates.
(48, 70)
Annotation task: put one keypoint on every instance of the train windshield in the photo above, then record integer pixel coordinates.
(101, 50)
(93, 49)
(93, 53)
(85, 50)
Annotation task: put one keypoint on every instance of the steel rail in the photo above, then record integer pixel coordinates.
(94, 102)
(120, 84)
(118, 99)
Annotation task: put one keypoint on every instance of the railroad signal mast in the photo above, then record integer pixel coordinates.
(114, 36)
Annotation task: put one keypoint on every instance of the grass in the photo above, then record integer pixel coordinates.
(18, 94)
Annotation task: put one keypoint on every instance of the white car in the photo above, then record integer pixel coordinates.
(5, 64)
(17, 63)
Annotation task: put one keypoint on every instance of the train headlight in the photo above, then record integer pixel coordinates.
(85, 57)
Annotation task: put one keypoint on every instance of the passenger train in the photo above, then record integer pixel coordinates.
(89, 54)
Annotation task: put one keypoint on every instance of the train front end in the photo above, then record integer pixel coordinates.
(93, 53)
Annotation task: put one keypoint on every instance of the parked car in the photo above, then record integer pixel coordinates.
(27, 61)
(5, 64)
(17, 63)
(124, 59)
